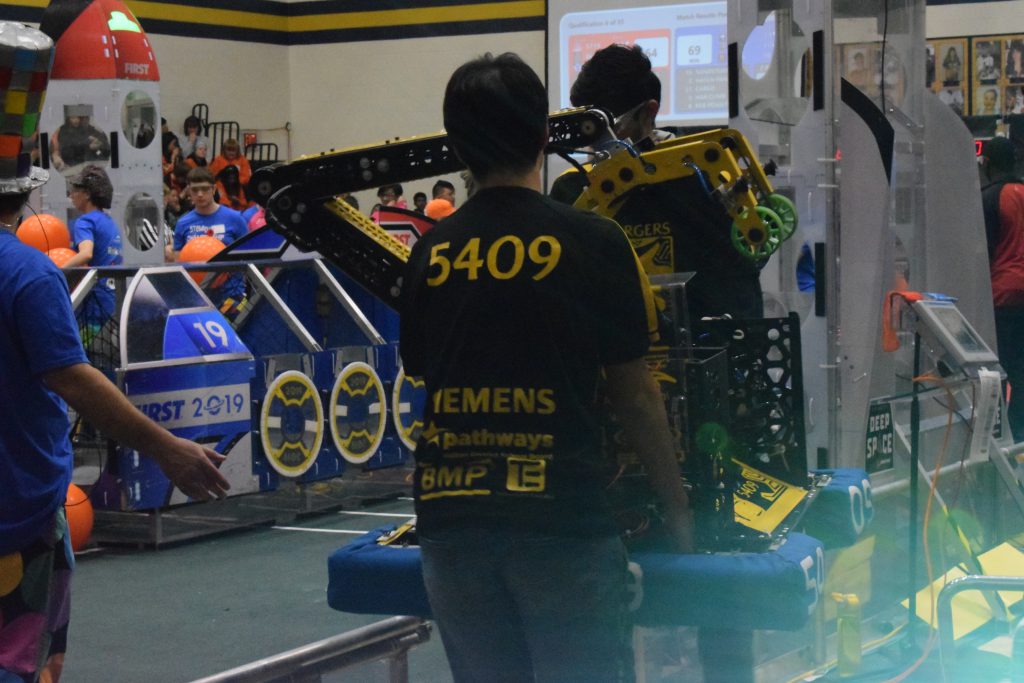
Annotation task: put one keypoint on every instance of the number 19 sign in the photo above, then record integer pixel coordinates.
(200, 333)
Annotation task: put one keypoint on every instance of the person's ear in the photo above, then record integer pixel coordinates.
(651, 109)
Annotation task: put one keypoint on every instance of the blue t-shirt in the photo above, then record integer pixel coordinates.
(37, 334)
(225, 224)
(99, 228)
(249, 213)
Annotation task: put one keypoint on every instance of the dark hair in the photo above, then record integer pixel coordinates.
(193, 121)
(12, 203)
(418, 195)
(229, 177)
(200, 174)
(394, 186)
(180, 170)
(230, 143)
(96, 183)
(616, 78)
(496, 114)
(999, 154)
(442, 185)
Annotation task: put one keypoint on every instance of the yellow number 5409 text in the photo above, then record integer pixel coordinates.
(503, 260)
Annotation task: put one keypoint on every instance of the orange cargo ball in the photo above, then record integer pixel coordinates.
(79, 513)
(61, 255)
(199, 250)
(44, 232)
(439, 208)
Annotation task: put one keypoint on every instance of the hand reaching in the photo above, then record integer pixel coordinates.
(192, 469)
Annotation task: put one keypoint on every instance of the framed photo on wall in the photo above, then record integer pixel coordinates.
(946, 72)
(997, 66)
(950, 62)
(1013, 60)
(988, 61)
(860, 65)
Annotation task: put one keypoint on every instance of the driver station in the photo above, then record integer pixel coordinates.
(857, 489)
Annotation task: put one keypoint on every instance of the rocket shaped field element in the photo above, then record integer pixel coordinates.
(102, 108)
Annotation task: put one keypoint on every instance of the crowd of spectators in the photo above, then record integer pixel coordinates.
(191, 149)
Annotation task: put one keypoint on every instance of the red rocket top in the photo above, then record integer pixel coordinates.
(105, 41)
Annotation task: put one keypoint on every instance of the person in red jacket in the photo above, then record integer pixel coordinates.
(1002, 197)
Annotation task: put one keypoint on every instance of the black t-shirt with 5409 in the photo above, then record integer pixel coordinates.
(511, 307)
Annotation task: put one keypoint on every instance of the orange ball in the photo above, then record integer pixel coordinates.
(44, 232)
(80, 517)
(61, 255)
(200, 250)
(439, 208)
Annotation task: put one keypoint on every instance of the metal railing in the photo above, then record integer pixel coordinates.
(944, 608)
(389, 640)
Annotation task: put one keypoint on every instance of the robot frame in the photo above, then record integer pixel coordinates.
(302, 204)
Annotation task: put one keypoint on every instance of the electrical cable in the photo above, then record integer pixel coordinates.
(701, 175)
(567, 155)
(885, 37)
(933, 631)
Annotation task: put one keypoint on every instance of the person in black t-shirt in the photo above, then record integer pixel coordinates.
(521, 314)
(674, 226)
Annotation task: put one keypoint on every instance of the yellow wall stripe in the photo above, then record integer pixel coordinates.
(427, 15)
(203, 15)
(207, 19)
(332, 21)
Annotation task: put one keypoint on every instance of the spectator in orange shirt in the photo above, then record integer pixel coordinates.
(231, 155)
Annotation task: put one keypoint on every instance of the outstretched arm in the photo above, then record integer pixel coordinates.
(190, 466)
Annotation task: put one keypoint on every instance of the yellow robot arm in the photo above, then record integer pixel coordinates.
(762, 219)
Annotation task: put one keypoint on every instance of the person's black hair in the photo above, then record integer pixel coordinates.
(1000, 154)
(418, 195)
(616, 78)
(193, 121)
(496, 114)
(394, 186)
(12, 203)
(167, 140)
(230, 180)
(96, 183)
(442, 185)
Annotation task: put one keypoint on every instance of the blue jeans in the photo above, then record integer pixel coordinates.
(529, 607)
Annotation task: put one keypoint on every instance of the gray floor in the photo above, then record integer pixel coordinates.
(199, 607)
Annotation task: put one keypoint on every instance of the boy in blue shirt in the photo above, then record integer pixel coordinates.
(210, 218)
(97, 239)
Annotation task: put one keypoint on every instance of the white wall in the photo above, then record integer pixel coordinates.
(244, 82)
(972, 19)
(355, 94)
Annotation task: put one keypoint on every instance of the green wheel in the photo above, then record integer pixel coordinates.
(759, 243)
(786, 210)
